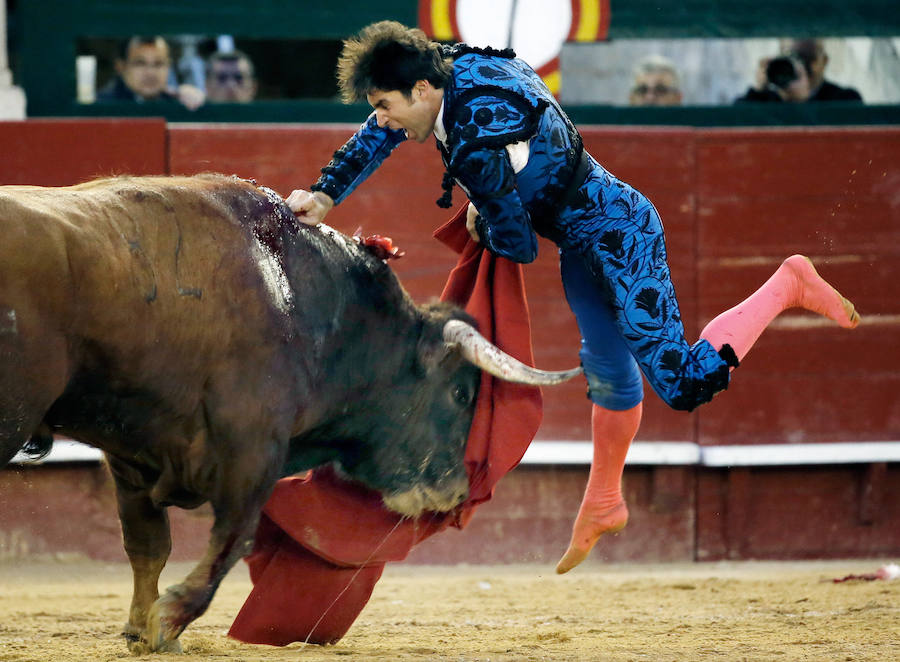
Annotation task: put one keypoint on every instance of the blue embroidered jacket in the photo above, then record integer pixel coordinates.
(492, 100)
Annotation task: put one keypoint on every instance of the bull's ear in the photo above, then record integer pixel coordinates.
(435, 354)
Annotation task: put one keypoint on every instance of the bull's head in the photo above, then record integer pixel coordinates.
(418, 437)
(396, 383)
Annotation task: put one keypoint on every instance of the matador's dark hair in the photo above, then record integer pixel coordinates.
(389, 56)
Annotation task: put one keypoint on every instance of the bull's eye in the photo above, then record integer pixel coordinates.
(461, 394)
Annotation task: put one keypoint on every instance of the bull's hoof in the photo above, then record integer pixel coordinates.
(161, 636)
(132, 636)
(142, 647)
(138, 648)
(173, 646)
(138, 643)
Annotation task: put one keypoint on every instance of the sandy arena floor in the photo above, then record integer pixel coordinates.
(68, 611)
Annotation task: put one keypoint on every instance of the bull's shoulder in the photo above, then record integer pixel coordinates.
(33, 214)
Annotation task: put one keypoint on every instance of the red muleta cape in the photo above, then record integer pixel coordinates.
(322, 542)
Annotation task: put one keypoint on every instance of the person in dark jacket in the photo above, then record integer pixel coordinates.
(506, 141)
(815, 59)
(781, 79)
(777, 80)
(143, 75)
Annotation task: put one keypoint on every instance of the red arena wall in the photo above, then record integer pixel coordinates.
(734, 201)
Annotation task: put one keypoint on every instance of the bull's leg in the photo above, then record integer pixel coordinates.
(245, 483)
(147, 540)
(33, 368)
(17, 424)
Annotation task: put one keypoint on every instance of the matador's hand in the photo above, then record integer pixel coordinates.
(309, 208)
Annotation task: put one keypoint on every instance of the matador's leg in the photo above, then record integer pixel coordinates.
(603, 508)
(795, 284)
(616, 390)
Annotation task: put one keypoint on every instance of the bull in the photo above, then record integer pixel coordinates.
(205, 341)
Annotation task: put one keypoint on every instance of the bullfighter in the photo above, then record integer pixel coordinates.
(507, 143)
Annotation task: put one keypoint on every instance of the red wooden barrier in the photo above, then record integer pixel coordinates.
(833, 195)
(64, 152)
(734, 203)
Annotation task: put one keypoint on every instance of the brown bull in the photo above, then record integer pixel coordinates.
(205, 341)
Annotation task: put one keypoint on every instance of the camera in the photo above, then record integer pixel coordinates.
(781, 71)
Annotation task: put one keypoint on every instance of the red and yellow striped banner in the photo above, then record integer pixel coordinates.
(590, 20)
(439, 19)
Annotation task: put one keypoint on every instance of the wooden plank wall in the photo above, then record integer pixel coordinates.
(734, 202)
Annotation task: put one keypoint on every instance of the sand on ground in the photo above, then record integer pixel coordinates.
(73, 610)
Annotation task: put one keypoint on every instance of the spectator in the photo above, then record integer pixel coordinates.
(143, 73)
(779, 79)
(230, 78)
(656, 83)
(812, 53)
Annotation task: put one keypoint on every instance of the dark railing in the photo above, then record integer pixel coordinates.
(44, 36)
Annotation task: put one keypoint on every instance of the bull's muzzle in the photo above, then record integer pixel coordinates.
(421, 498)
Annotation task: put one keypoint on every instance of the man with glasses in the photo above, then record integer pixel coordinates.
(230, 78)
(143, 69)
(655, 83)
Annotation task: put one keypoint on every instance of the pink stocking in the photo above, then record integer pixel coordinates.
(794, 284)
(603, 509)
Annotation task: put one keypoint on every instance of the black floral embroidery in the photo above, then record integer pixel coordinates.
(494, 73)
(647, 300)
(671, 360)
(612, 242)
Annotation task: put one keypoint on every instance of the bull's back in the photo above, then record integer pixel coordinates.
(127, 264)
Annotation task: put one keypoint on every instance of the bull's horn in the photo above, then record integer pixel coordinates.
(481, 352)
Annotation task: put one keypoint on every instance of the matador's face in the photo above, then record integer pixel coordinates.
(415, 114)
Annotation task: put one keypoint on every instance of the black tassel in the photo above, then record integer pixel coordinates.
(446, 200)
(728, 355)
(461, 49)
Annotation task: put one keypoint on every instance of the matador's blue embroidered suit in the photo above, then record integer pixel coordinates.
(610, 237)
